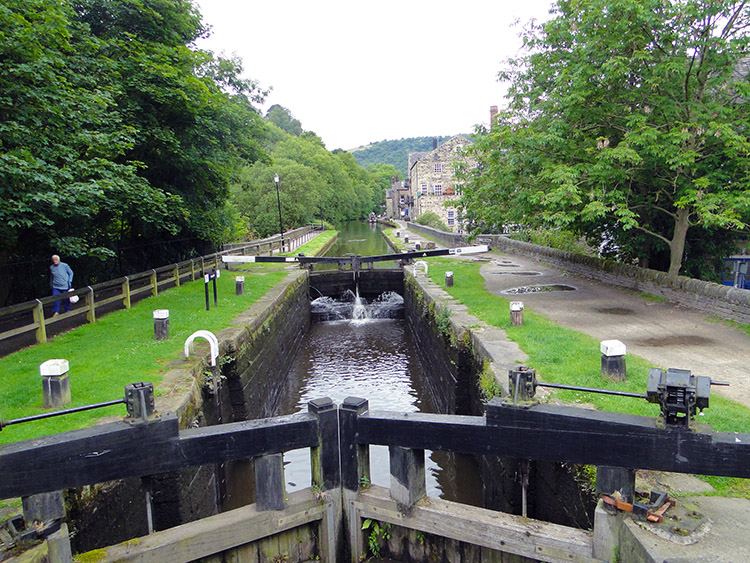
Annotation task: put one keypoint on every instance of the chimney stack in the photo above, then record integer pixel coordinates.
(434, 143)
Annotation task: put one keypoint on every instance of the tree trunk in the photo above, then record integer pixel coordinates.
(677, 246)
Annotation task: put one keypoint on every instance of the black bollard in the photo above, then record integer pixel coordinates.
(613, 360)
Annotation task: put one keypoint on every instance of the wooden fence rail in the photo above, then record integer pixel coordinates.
(123, 292)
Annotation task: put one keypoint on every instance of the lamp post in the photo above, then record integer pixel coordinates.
(278, 201)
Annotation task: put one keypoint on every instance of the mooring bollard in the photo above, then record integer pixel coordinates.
(419, 246)
(161, 324)
(55, 383)
(516, 313)
(448, 279)
(240, 284)
(406, 240)
(613, 360)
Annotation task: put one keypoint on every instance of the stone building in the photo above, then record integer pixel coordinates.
(398, 200)
(432, 181)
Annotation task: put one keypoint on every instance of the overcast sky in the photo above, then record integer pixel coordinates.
(360, 72)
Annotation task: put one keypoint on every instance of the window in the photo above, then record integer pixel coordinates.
(451, 217)
(439, 167)
(438, 189)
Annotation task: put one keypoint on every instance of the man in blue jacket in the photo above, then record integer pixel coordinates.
(61, 281)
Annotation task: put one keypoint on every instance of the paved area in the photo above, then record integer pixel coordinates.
(667, 335)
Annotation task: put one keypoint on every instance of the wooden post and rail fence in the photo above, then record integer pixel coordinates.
(341, 497)
(123, 292)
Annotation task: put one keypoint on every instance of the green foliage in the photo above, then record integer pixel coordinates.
(625, 119)
(118, 136)
(488, 385)
(394, 153)
(443, 320)
(432, 219)
(553, 238)
(284, 120)
(378, 532)
(314, 185)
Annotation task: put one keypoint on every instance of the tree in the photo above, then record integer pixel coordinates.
(115, 132)
(624, 116)
(284, 120)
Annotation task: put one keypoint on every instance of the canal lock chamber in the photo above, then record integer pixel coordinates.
(445, 381)
(264, 343)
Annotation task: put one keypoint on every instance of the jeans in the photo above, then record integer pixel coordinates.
(65, 302)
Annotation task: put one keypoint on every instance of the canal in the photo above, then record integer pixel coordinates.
(374, 358)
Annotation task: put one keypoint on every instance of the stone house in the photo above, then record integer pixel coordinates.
(398, 200)
(432, 182)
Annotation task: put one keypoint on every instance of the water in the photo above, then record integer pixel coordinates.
(351, 306)
(363, 350)
(374, 359)
(358, 237)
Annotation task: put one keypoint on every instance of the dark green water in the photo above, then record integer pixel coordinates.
(360, 238)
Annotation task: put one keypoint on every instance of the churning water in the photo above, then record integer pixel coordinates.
(352, 306)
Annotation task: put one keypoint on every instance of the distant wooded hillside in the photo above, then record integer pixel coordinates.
(395, 153)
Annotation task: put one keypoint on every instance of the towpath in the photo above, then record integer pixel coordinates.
(665, 334)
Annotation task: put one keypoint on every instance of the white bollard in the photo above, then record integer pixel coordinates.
(613, 359)
(55, 383)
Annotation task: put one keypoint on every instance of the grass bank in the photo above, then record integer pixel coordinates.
(120, 348)
(562, 355)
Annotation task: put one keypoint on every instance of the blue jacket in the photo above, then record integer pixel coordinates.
(61, 276)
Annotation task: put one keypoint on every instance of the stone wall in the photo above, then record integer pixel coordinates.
(712, 298)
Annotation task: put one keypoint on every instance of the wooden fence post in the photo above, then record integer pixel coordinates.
(126, 292)
(355, 458)
(407, 475)
(91, 305)
(177, 275)
(154, 284)
(192, 269)
(325, 457)
(41, 330)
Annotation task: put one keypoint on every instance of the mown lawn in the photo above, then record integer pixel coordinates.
(120, 348)
(563, 355)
